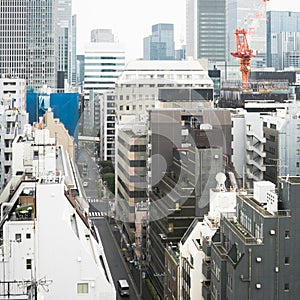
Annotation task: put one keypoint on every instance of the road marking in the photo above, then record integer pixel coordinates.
(96, 214)
(91, 200)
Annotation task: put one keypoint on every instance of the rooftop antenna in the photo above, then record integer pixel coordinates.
(221, 178)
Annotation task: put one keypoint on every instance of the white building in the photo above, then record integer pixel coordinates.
(13, 117)
(248, 146)
(107, 125)
(104, 62)
(49, 247)
(193, 246)
(146, 84)
(282, 133)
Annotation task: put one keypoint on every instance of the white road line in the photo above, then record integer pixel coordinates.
(95, 214)
(91, 200)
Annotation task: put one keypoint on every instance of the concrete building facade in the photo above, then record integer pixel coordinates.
(13, 118)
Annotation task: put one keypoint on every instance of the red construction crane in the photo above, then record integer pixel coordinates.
(242, 50)
(244, 53)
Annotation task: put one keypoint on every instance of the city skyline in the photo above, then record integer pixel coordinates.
(145, 13)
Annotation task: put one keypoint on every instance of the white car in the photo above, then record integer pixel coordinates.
(85, 184)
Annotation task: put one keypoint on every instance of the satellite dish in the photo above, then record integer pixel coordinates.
(221, 178)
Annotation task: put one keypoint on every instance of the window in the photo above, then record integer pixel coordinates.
(82, 288)
(28, 264)
(286, 287)
(286, 260)
(35, 154)
(287, 234)
(18, 237)
(191, 260)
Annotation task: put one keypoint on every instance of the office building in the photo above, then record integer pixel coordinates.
(282, 146)
(160, 44)
(28, 45)
(283, 34)
(248, 15)
(252, 255)
(194, 263)
(103, 64)
(206, 30)
(107, 123)
(64, 42)
(147, 84)
(185, 152)
(102, 36)
(74, 78)
(142, 86)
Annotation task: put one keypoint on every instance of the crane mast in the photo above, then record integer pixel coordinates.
(244, 53)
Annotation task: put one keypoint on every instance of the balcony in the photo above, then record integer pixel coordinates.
(240, 231)
(206, 271)
(206, 294)
(9, 136)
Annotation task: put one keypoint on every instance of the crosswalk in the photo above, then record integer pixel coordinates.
(92, 200)
(96, 214)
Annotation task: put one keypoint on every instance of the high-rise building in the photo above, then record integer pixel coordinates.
(36, 41)
(107, 120)
(206, 31)
(102, 36)
(74, 78)
(28, 41)
(248, 15)
(64, 36)
(104, 62)
(283, 36)
(160, 44)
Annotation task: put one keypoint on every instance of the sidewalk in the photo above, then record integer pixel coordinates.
(134, 271)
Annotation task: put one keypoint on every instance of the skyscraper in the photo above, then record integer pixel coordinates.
(102, 35)
(283, 36)
(248, 15)
(27, 41)
(35, 40)
(206, 31)
(210, 27)
(64, 35)
(160, 45)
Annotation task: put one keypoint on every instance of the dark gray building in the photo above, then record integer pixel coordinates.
(187, 150)
(254, 254)
(206, 32)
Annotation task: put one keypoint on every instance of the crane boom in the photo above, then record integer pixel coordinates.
(244, 53)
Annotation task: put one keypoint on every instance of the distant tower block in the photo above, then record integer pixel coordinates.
(221, 178)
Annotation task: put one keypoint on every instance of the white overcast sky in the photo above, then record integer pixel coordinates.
(131, 20)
